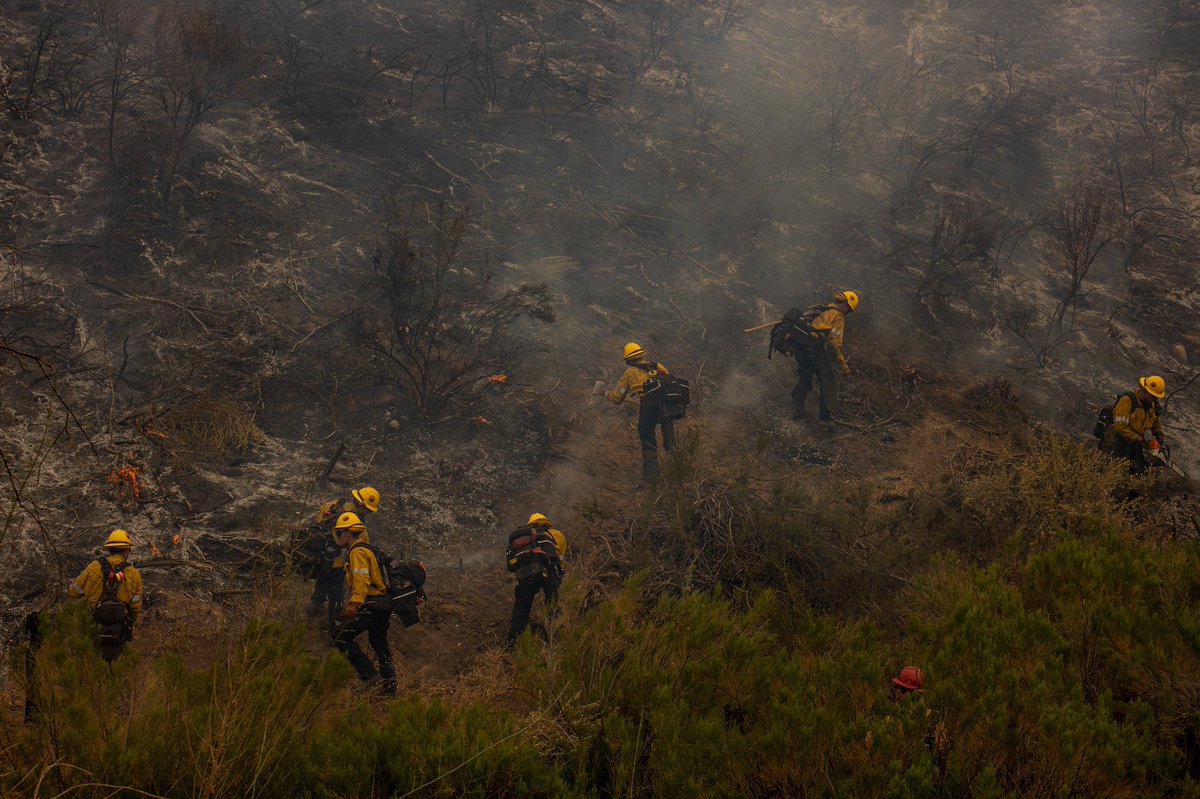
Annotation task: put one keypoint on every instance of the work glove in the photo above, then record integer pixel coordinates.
(350, 612)
(613, 396)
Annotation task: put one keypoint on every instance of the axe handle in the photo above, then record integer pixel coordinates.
(763, 326)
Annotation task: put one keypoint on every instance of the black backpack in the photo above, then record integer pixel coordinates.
(528, 555)
(404, 582)
(111, 613)
(795, 332)
(1104, 417)
(314, 551)
(406, 587)
(669, 393)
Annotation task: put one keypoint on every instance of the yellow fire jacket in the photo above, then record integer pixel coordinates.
(560, 542)
(364, 578)
(1131, 419)
(832, 325)
(89, 585)
(634, 379)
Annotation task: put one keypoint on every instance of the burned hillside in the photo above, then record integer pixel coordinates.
(256, 253)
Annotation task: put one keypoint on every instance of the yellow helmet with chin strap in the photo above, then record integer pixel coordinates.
(848, 297)
(1155, 386)
(539, 520)
(633, 351)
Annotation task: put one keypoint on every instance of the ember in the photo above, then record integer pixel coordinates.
(482, 420)
(910, 377)
(498, 379)
(147, 430)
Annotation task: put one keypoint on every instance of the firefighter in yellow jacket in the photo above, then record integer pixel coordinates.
(650, 418)
(327, 564)
(816, 359)
(535, 556)
(1136, 425)
(369, 609)
(113, 588)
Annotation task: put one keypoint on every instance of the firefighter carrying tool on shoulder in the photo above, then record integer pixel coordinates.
(113, 589)
(814, 338)
(663, 401)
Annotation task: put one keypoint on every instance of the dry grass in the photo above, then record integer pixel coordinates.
(209, 428)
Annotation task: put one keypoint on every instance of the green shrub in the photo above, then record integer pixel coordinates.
(266, 720)
(1031, 499)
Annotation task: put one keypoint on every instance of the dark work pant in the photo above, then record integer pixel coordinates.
(330, 590)
(112, 638)
(523, 597)
(650, 418)
(375, 624)
(1131, 451)
(815, 363)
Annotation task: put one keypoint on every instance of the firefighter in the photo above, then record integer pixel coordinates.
(362, 501)
(1136, 425)
(326, 563)
(113, 588)
(535, 558)
(817, 358)
(638, 371)
(909, 685)
(910, 680)
(369, 609)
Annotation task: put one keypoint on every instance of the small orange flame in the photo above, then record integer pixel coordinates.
(498, 379)
(126, 481)
(482, 420)
(175, 539)
(155, 550)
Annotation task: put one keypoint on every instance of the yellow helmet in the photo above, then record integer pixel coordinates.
(633, 351)
(539, 520)
(1154, 385)
(118, 539)
(848, 297)
(367, 497)
(351, 522)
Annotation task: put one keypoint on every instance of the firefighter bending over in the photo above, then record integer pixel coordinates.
(1136, 426)
(814, 338)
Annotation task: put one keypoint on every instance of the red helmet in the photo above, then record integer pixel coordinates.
(910, 678)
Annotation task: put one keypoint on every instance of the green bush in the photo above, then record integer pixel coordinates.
(1030, 499)
(266, 720)
(1071, 667)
